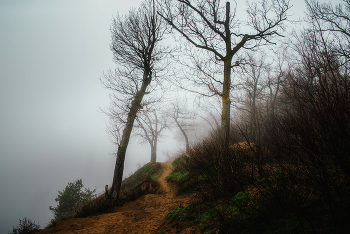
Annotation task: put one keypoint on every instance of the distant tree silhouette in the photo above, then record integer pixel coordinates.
(151, 126)
(181, 116)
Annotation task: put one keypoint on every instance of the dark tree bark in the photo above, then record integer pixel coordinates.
(135, 106)
(209, 26)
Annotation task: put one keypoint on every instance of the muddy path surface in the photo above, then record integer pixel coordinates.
(144, 215)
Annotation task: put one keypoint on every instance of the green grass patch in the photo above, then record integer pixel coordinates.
(179, 173)
(180, 176)
(193, 216)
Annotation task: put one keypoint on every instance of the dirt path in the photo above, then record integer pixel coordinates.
(144, 215)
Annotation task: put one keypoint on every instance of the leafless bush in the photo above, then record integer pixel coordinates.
(26, 226)
(296, 172)
(313, 135)
(96, 206)
(223, 173)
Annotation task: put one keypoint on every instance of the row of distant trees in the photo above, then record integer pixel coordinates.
(212, 43)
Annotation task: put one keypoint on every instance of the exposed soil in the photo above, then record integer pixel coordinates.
(144, 215)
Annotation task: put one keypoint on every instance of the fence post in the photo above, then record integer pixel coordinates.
(106, 190)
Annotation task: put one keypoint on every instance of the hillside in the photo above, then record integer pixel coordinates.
(246, 189)
(144, 215)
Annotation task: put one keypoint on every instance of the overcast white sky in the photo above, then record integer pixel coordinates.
(52, 53)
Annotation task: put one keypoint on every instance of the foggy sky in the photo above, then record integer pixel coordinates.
(52, 54)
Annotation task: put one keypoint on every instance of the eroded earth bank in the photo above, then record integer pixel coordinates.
(144, 215)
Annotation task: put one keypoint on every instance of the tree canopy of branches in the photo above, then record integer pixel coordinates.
(210, 26)
(137, 52)
(333, 19)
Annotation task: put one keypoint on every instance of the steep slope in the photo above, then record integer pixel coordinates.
(144, 215)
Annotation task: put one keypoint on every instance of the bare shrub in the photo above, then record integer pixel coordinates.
(26, 226)
(96, 206)
(222, 172)
(313, 135)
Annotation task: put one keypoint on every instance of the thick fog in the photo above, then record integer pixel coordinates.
(52, 54)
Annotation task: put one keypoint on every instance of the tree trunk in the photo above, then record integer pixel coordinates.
(154, 150)
(135, 106)
(254, 119)
(226, 103)
(225, 116)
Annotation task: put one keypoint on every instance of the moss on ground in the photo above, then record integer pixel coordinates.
(149, 171)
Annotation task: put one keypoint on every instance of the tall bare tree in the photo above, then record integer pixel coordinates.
(210, 26)
(151, 126)
(137, 52)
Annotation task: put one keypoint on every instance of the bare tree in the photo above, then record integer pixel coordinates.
(334, 19)
(151, 126)
(273, 83)
(254, 88)
(137, 52)
(210, 26)
(181, 116)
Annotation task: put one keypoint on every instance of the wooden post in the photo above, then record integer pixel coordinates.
(106, 190)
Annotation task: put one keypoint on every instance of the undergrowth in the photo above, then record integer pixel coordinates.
(185, 180)
(288, 172)
(130, 190)
(236, 196)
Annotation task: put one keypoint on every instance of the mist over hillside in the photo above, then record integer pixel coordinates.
(248, 102)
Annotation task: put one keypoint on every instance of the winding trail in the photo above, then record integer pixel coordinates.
(144, 215)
